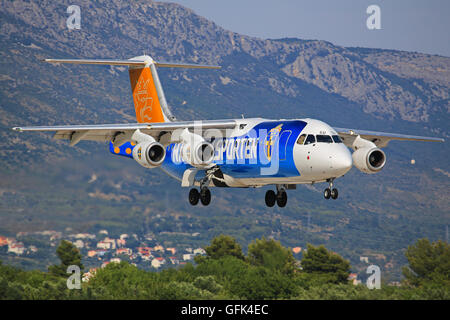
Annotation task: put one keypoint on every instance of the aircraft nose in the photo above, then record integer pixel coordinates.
(343, 162)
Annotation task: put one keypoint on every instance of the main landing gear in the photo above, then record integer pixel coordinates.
(204, 196)
(330, 192)
(280, 197)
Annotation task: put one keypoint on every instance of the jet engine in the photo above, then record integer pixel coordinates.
(148, 153)
(369, 160)
(195, 149)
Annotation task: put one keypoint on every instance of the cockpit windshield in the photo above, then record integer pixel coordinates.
(324, 138)
(337, 139)
(310, 139)
(301, 139)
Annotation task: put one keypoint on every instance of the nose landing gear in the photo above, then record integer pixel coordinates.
(280, 197)
(330, 192)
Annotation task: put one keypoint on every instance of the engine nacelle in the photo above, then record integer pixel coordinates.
(196, 150)
(149, 154)
(369, 160)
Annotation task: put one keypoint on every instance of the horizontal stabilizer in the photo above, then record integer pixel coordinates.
(132, 62)
(100, 62)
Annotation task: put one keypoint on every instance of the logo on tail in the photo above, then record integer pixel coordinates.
(146, 102)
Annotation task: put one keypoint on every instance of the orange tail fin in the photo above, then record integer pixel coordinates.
(145, 96)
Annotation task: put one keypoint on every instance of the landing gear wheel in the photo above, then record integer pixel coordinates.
(205, 196)
(327, 193)
(282, 199)
(334, 194)
(194, 196)
(270, 198)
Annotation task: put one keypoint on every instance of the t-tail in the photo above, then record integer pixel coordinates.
(148, 96)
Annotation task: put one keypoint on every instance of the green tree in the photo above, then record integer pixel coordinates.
(320, 261)
(428, 262)
(69, 255)
(222, 246)
(271, 254)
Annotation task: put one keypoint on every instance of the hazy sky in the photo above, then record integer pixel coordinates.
(412, 25)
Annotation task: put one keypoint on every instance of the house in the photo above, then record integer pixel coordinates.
(104, 245)
(174, 260)
(103, 232)
(364, 259)
(156, 263)
(121, 242)
(124, 236)
(32, 249)
(92, 253)
(189, 250)
(125, 251)
(3, 241)
(145, 253)
(297, 250)
(144, 250)
(101, 253)
(159, 248)
(104, 264)
(199, 251)
(112, 241)
(84, 236)
(188, 256)
(172, 250)
(115, 260)
(353, 277)
(88, 275)
(16, 247)
(147, 257)
(79, 244)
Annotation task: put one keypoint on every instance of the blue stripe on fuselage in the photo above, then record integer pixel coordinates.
(247, 156)
(251, 155)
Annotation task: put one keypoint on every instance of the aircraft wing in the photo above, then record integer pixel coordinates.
(381, 139)
(109, 132)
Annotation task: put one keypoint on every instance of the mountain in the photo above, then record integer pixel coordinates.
(45, 183)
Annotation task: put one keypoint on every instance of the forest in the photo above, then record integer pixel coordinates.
(268, 271)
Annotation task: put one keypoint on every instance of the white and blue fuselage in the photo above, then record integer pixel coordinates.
(260, 152)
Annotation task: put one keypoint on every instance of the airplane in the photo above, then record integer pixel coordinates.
(234, 153)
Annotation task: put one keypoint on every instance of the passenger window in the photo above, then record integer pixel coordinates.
(324, 138)
(337, 139)
(301, 139)
(310, 139)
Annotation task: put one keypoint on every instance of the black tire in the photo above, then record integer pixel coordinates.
(327, 193)
(282, 199)
(194, 196)
(205, 196)
(334, 194)
(270, 198)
